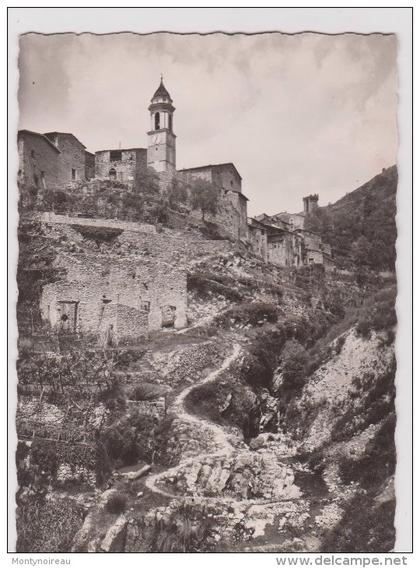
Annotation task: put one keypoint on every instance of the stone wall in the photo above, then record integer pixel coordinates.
(89, 165)
(71, 160)
(232, 214)
(257, 237)
(285, 249)
(51, 217)
(280, 249)
(115, 298)
(38, 160)
(126, 164)
(295, 220)
(232, 206)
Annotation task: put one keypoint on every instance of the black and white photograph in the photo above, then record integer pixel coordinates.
(206, 289)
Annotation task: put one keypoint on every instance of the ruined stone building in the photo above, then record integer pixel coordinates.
(123, 165)
(53, 159)
(115, 298)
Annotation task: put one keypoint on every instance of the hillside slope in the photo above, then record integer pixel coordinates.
(360, 226)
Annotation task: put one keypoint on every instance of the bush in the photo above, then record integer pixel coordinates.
(117, 503)
(98, 234)
(206, 400)
(113, 396)
(294, 360)
(249, 314)
(131, 439)
(339, 343)
(187, 529)
(47, 525)
(44, 458)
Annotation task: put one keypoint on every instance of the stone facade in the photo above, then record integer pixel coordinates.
(123, 165)
(232, 214)
(224, 176)
(257, 237)
(284, 248)
(38, 160)
(89, 165)
(122, 299)
(50, 160)
(72, 159)
(310, 203)
(288, 242)
(161, 148)
(294, 221)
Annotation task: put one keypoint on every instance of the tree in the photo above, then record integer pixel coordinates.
(177, 194)
(147, 182)
(204, 196)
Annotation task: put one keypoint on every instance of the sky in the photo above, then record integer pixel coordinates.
(296, 114)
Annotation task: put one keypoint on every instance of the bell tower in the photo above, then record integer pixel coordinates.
(161, 138)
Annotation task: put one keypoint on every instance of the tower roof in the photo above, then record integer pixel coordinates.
(161, 91)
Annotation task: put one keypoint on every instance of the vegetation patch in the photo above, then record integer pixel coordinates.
(365, 527)
(98, 234)
(47, 525)
(256, 313)
(117, 503)
(378, 463)
(188, 528)
(206, 284)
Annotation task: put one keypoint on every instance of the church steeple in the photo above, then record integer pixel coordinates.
(161, 146)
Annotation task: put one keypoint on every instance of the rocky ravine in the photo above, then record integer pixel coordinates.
(260, 496)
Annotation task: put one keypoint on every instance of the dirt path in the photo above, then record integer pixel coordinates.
(223, 447)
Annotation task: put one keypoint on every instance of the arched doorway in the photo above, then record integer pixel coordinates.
(112, 173)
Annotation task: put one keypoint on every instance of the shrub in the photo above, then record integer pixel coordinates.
(98, 234)
(117, 503)
(294, 359)
(249, 314)
(339, 343)
(113, 396)
(258, 367)
(44, 458)
(206, 400)
(187, 529)
(131, 439)
(204, 196)
(47, 525)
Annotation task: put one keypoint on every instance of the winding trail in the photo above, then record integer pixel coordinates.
(220, 439)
